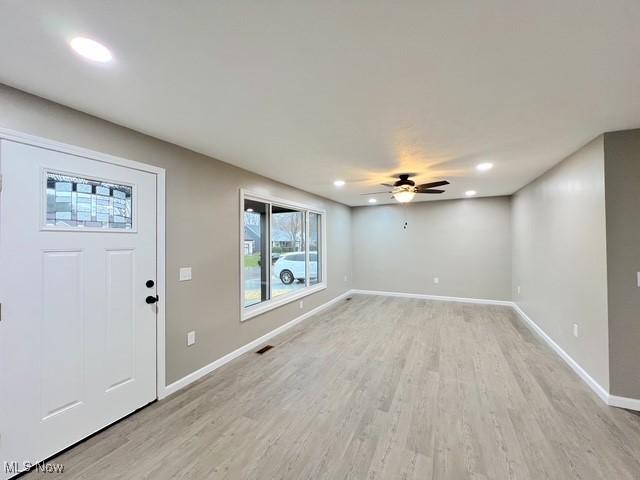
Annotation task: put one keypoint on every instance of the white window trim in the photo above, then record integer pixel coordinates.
(249, 312)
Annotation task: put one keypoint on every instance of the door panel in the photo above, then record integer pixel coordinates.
(62, 326)
(77, 339)
(120, 292)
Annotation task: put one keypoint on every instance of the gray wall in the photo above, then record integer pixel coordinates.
(622, 182)
(559, 256)
(551, 238)
(202, 229)
(465, 243)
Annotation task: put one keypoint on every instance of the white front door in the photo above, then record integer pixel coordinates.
(77, 262)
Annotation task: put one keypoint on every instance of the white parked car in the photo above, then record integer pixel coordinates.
(290, 267)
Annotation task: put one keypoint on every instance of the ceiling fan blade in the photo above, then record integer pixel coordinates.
(433, 184)
(373, 193)
(387, 185)
(429, 190)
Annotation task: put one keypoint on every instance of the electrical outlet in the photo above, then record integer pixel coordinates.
(345, 278)
(575, 329)
(191, 338)
(436, 280)
(301, 303)
(518, 289)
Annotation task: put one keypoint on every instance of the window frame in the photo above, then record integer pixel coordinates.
(247, 313)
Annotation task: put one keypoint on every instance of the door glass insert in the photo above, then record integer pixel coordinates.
(86, 203)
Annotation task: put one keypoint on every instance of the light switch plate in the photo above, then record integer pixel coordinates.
(185, 274)
(436, 280)
(575, 329)
(191, 338)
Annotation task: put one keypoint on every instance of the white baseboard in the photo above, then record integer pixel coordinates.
(201, 372)
(582, 373)
(434, 297)
(624, 402)
(605, 396)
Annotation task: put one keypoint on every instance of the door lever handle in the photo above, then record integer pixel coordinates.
(152, 299)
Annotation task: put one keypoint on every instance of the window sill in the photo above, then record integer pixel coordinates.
(264, 307)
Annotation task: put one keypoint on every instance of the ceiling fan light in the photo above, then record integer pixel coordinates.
(404, 196)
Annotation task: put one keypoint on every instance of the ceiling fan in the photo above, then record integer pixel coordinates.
(404, 189)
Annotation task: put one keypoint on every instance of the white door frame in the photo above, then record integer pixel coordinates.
(27, 139)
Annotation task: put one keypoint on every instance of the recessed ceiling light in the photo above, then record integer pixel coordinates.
(483, 167)
(91, 49)
(470, 193)
(372, 200)
(339, 183)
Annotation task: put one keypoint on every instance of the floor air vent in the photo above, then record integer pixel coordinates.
(264, 349)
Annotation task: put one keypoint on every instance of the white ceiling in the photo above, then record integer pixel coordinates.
(309, 91)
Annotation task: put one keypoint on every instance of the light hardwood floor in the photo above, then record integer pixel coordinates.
(378, 387)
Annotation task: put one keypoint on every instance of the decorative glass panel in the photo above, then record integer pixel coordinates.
(86, 203)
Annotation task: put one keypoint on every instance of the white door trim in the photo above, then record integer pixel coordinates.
(160, 173)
